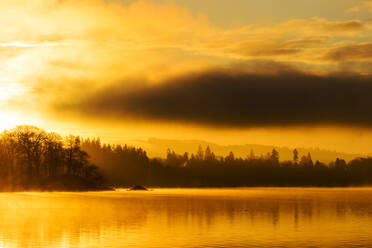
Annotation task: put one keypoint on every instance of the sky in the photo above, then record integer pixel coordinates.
(288, 73)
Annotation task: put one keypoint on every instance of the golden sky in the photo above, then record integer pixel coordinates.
(127, 70)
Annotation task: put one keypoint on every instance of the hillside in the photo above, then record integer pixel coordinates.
(158, 147)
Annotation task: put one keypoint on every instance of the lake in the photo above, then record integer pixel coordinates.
(249, 217)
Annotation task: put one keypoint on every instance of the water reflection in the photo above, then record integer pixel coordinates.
(257, 217)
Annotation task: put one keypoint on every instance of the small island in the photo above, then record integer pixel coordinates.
(138, 188)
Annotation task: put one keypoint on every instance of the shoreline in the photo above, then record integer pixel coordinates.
(149, 189)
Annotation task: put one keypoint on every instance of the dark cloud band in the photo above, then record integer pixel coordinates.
(351, 52)
(238, 99)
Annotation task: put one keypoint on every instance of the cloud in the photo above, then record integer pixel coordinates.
(264, 49)
(364, 5)
(28, 45)
(301, 40)
(289, 49)
(368, 5)
(236, 98)
(104, 34)
(104, 41)
(351, 52)
(316, 27)
(353, 9)
(304, 43)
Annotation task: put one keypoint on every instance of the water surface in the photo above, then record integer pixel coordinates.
(254, 217)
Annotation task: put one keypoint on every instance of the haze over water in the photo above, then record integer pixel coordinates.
(254, 217)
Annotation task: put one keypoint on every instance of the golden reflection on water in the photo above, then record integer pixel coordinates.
(255, 217)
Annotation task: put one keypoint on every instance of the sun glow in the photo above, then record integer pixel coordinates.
(9, 120)
(28, 45)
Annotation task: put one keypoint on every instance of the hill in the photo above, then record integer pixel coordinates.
(157, 148)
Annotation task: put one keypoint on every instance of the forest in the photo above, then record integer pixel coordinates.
(126, 166)
(33, 159)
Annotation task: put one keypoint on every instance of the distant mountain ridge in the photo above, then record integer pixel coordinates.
(157, 148)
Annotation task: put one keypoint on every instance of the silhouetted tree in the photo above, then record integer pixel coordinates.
(200, 153)
(274, 157)
(209, 155)
(230, 158)
(295, 156)
(31, 157)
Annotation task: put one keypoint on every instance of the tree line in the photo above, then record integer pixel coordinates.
(125, 166)
(31, 158)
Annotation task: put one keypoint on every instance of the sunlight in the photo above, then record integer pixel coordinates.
(9, 90)
(30, 45)
(9, 120)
